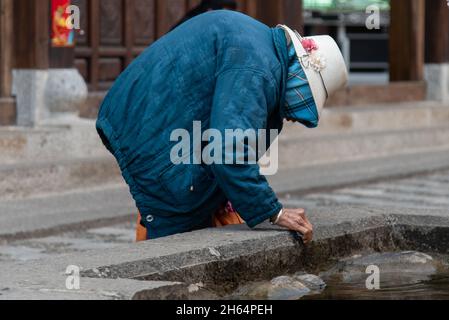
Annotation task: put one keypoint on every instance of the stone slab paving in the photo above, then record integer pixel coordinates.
(429, 191)
(111, 273)
(33, 268)
(70, 242)
(420, 192)
(86, 208)
(102, 205)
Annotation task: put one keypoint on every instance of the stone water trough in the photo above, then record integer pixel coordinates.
(220, 263)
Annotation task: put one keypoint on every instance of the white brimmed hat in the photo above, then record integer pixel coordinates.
(322, 62)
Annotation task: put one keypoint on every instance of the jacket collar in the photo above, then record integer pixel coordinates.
(280, 42)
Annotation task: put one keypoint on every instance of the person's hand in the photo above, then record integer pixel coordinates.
(296, 220)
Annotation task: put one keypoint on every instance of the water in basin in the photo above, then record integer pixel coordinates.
(385, 276)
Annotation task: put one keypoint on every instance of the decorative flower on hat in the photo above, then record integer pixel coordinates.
(316, 60)
(309, 45)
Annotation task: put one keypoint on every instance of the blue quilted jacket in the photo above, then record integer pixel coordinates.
(222, 68)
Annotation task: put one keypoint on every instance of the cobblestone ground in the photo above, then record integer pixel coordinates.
(429, 191)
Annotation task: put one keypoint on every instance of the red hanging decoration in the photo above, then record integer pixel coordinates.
(62, 35)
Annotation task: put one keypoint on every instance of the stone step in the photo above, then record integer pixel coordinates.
(72, 139)
(376, 118)
(63, 154)
(67, 154)
(359, 94)
(340, 147)
(30, 179)
(76, 138)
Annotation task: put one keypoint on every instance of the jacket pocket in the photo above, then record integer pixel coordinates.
(187, 185)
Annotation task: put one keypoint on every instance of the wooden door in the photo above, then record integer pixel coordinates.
(106, 43)
(114, 32)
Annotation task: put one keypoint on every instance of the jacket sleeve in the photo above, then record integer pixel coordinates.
(241, 102)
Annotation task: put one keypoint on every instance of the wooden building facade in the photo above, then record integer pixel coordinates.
(114, 32)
